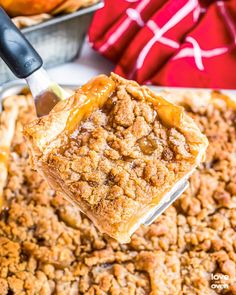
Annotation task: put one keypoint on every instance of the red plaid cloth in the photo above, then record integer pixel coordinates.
(169, 42)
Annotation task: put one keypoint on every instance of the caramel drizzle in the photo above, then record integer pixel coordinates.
(89, 98)
(4, 155)
(171, 115)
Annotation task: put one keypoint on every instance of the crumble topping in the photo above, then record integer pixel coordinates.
(48, 247)
(118, 162)
(121, 157)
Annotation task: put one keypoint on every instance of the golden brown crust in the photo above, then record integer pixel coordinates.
(115, 149)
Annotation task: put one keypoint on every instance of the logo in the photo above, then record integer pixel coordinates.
(217, 283)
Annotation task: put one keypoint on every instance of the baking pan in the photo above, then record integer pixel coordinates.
(57, 40)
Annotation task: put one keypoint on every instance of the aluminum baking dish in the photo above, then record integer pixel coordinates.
(57, 40)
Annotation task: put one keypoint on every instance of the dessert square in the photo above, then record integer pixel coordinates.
(115, 149)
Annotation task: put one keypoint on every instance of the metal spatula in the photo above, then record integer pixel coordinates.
(26, 63)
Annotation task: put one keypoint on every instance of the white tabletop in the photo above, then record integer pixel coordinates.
(88, 65)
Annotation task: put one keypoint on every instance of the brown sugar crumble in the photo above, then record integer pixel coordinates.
(47, 247)
(123, 158)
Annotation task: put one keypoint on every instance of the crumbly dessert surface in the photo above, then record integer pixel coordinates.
(122, 158)
(48, 247)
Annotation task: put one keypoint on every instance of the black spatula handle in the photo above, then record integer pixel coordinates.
(15, 49)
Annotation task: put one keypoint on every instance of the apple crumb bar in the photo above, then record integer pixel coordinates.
(115, 149)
